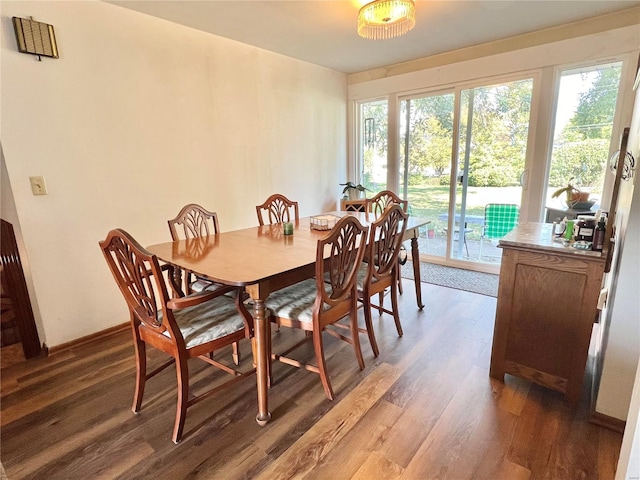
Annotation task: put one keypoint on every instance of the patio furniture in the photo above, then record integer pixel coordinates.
(499, 219)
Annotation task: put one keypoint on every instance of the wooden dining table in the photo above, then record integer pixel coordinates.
(263, 259)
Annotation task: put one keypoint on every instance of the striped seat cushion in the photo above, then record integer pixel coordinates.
(201, 284)
(208, 321)
(294, 302)
(362, 274)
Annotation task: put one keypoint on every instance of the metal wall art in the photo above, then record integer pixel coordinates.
(36, 38)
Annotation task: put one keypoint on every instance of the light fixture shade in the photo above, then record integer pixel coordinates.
(382, 19)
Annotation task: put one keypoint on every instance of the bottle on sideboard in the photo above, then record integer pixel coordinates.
(598, 234)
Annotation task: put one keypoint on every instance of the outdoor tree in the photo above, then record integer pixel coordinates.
(430, 139)
(582, 149)
(500, 121)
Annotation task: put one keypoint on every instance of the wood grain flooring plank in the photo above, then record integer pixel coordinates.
(376, 466)
(426, 403)
(538, 427)
(314, 445)
(429, 396)
(513, 394)
(449, 440)
(505, 470)
(20, 403)
(570, 457)
(37, 458)
(608, 453)
(354, 449)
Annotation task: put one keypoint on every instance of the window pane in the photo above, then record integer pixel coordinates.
(582, 135)
(426, 142)
(373, 141)
(494, 132)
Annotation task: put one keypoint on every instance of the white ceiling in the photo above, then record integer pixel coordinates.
(324, 31)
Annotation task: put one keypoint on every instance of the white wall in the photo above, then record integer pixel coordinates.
(623, 305)
(138, 117)
(629, 460)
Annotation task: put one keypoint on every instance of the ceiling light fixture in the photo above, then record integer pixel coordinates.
(382, 19)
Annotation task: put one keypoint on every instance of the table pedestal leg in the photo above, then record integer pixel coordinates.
(261, 330)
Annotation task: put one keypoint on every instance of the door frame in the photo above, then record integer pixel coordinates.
(17, 291)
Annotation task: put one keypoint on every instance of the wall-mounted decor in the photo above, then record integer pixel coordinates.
(36, 38)
(628, 166)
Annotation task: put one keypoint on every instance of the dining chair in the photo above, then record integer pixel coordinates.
(197, 224)
(277, 209)
(183, 328)
(376, 206)
(193, 221)
(316, 305)
(381, 272)
(499, 219)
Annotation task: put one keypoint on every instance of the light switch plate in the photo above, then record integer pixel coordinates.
(38, 185)
(602, 298)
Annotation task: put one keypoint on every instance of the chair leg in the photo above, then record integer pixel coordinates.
(182, 373)
(322, 365)
(141, 373)
(399, 280)
(369, 323)
(355, 334)
(394, 309)
(236, 353)
(269, 352)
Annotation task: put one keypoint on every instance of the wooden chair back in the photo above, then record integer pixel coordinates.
(278, 209)
(140, 278)
(385, 240)
(317, 305)
(377, 204)
(383, 267)
(336, 276)
(195, 221)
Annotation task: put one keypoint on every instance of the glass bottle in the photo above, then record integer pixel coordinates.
(598, 235)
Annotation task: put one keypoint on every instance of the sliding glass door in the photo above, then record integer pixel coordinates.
(492, 149)
(452, 182)
(426, 151)
(456, 152)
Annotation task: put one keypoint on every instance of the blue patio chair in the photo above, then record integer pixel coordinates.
(499, 219)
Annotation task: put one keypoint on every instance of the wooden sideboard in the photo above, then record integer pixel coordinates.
(547, 305)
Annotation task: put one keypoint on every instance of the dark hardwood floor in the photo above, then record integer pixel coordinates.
(426, 408)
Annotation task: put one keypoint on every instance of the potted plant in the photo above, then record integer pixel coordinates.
(573, 194)
(353, 191)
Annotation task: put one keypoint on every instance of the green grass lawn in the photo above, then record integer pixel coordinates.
(429, 201)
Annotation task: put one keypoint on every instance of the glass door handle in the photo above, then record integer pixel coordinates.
(524, 179)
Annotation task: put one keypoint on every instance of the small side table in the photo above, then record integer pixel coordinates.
(557, 214)
(358, 205)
